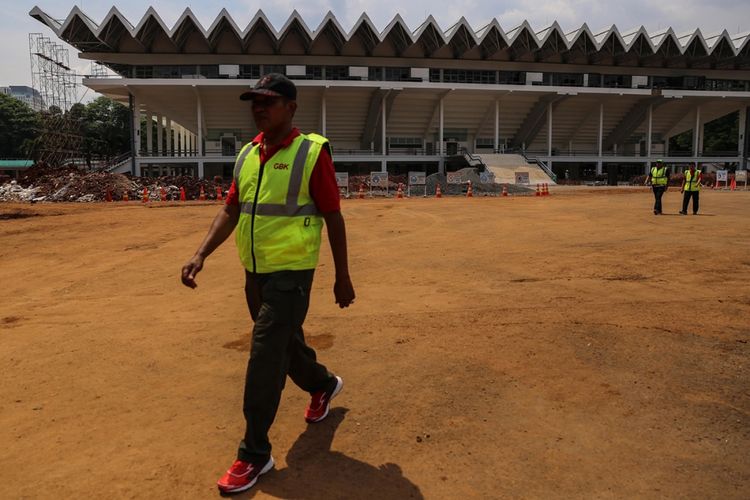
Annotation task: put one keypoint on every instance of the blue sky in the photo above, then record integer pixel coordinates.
(682, 15)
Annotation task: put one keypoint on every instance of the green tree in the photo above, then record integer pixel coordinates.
(106, 127)
(19, 126)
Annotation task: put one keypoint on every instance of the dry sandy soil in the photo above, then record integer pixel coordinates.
(563, 347)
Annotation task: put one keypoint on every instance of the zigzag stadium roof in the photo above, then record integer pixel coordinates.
(634, 47)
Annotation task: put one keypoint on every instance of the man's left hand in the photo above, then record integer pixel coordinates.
(343, 290)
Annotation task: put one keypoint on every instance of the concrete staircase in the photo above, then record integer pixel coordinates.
(505, 166)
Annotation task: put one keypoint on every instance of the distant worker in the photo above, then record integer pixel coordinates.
(659, 179)
(691, 188)
(284, 188)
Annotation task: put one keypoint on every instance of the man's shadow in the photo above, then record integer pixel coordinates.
(315, 472)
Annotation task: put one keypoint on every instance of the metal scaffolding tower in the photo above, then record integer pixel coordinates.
(60, 139)
(51, 74)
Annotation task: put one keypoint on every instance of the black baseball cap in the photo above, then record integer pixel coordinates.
(272, 84)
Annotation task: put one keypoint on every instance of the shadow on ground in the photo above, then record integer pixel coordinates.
(315, 472)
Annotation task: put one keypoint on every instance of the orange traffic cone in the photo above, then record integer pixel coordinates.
(438, 192)
(469, 191)
(219, 194)
(163, 194)
(202, 195)
(538, 190)
(125, 197)
(733, 185)
(545, 189)
(505, 190)
(145, 195)
(108, 196)
(361, 192)
(400, 192)
(182, 194)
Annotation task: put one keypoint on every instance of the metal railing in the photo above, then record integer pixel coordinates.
(541, 164)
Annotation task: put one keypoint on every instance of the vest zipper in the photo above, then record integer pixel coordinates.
(252, 217)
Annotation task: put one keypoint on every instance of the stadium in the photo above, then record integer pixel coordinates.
(578, 104)
(559, 341)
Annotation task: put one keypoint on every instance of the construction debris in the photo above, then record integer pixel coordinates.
(71, 184)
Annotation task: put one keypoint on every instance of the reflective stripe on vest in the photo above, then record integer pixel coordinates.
(290, 209)
(691, 181)
(658, 176)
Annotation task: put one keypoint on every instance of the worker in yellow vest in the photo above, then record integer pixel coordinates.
(658, 177)
(691, 188)
(284, 190)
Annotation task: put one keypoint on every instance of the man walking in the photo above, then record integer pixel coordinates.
(658, 178)
(284, 188)
(691, 187)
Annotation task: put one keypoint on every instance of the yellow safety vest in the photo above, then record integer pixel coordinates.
(692, 181)
(279, 226)
(659, 176)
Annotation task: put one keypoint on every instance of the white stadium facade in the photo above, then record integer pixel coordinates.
(399, 99)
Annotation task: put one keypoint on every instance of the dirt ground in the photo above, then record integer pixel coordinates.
(574, 346)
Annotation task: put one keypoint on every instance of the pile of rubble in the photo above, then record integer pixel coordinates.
(43, 183)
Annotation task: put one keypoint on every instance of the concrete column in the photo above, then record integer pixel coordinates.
(137, 126)
(200, 127)
(168, 130)
(323, 115)
(441, 146)
(383, 131)
(601, 133)
(650, 130)
(497, 126)
(149, 133)
(741, 136)
(697, 132)
(549, 129)
(201, 170)
(159, 135)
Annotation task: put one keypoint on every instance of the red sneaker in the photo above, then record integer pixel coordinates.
(320, 403)
(242, 476)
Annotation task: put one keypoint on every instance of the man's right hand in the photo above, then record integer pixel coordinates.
(190, 270)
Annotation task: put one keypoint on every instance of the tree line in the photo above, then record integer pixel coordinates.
(99, 129)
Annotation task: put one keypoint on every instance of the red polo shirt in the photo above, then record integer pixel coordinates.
(323, 188)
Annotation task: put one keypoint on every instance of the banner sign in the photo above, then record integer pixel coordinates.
(454, 177)
(342, 179)
(740, 176)
(417, 178)
(722, 175)
(379, 179)
(522, 177)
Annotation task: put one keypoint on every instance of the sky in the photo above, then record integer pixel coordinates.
(681, 15)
